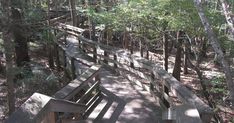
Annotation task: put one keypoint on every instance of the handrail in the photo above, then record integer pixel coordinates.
(76, 85)
(37, 108)
(167, 80)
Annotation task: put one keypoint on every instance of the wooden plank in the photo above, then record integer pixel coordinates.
(182, 114)
(93, 99)
(58, 105)
(72, 28)
(78, 56)
(50, 118)
(31, 111)
(76, 85)
(135, 80)
(88, 92)
(175, 86)
(185, 95)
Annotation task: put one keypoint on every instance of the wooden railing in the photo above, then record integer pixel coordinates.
(75, 99)
(161, 84)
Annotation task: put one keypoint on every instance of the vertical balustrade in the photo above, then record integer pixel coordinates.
(95, 54)
(105, 57)
(115, 59)
(131, 51)
(64, 59)
(73, 68)
(57, 61)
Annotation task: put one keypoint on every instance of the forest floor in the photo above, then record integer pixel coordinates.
(48, 79)
(44, 80)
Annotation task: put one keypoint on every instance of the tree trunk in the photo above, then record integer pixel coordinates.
(9, 52)
(228, 14)
(165, 51)
(185, 58)
(216, 46)
(73, 12)
(21, 45)
(49, 46)
(177, 66)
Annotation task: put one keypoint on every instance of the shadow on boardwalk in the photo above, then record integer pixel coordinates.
(123, 102)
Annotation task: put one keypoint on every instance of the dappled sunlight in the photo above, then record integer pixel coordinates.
(192, 113)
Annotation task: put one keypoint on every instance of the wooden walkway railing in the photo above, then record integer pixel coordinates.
(78, 96)
(75, 99)
(161, 84)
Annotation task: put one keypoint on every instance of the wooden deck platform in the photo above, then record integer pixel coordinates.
(124, 102)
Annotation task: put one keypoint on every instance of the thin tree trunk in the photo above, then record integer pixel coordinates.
(165, 50)
(21, 46)
(9, 52)
(49, 45)
(73, 12)
(228, 14)
(177, 66)
(216, 46)
(185, 58)
(205, 92)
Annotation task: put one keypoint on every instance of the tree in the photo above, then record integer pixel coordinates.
(228, 15)
(73, 12)
(177, 66)
(21, 46)
(20, 38)
(216, 46)
(9, 52)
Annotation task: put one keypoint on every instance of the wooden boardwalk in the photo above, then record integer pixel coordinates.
(125, 88)
(122, 101)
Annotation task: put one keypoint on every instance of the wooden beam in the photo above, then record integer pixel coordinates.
(31, 111)
(76, 85)
(58, 105)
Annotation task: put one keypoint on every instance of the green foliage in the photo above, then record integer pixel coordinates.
(34, 14)
(47, 36)
(218, 85)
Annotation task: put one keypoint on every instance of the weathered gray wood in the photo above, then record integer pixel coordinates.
(73, 68)
(76, 85)
(58, 105)
(69, 27)
(184, 94)
(92, 100)
(182, 114)
(78, 56)
(37, 108)
(174, 86)
(89, 92)
(32, 111)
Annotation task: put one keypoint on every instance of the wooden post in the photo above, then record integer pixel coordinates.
(115, 59)
(73, 68)
(152, 77)
(50, 118)
(56, 48)
(166, 91)
(95, 54)
(64, 59)
(141, 49)
(105, 56)
(131, 51)
(65, 37)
